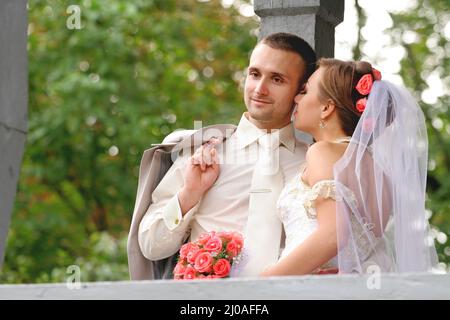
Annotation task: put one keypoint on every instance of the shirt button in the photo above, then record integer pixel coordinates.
(176, 221)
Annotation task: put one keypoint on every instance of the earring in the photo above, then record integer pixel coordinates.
(322, 124)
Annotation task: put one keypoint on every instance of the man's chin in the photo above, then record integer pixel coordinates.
(260, 115)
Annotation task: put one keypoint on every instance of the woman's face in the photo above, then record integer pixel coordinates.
(309, 107)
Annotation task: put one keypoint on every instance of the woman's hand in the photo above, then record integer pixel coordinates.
(200, 174)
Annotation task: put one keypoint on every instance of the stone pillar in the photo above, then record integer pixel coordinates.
(313, 20)
(13, 105)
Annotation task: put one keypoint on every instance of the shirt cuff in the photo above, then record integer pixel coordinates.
(172, 215)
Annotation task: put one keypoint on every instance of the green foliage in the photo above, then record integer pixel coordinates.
(98, 97)
(429, 54)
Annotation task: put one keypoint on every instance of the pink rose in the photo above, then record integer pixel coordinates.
(192, 254)
(365, 84)
(203, 238)
(214, 244)
(203, 262)
(222, 268)
(232, 248)
(190, 273)
(361, 105)
(237, 237)
(179, 269)
(376, 74)
(186, 248)
(225, 236)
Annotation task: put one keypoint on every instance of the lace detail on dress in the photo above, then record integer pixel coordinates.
(296, 209)
(324, 189)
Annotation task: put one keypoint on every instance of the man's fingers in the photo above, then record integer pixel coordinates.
(206, 155)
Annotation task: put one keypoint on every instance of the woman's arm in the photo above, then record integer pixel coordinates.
(317, 249)
(321, 245)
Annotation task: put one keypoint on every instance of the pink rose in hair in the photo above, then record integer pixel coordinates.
(203, 262)
(365, 84)
(361, 105)
(368, 125)
(222, 268)
(376, 74)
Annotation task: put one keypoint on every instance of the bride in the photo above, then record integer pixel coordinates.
(358, 201)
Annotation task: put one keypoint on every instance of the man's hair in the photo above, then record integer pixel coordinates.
(293, 43)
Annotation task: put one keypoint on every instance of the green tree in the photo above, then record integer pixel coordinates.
(99, 96)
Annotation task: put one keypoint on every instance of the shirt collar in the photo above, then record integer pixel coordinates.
(247, 133)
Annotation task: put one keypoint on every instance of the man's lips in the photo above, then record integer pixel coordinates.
(260, 100)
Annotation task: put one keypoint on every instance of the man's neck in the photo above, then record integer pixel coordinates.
(268, 126)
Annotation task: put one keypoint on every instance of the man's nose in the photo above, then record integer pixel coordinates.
(261, 87)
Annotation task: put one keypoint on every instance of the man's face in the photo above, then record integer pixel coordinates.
(270, 86)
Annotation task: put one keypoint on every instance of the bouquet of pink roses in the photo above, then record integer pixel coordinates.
(211, 256)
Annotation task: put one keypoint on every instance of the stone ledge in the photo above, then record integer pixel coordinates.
(408, 286)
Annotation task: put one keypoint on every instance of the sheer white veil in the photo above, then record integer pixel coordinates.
(380, 188)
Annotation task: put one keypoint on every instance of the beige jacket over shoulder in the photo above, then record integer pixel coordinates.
(155, 163)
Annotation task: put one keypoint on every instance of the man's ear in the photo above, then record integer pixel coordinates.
(328, 108)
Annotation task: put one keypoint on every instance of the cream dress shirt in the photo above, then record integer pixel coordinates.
(225, 206)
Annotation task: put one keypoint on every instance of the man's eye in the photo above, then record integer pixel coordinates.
(277, 80)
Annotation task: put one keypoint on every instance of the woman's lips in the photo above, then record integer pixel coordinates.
(295, 110)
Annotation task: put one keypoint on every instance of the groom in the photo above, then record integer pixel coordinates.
(187, 203)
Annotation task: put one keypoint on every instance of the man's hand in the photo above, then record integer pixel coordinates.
(200, 174)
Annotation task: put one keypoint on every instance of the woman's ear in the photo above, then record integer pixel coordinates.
(327, 109)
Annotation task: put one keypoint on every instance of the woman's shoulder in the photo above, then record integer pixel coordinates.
(320, 158)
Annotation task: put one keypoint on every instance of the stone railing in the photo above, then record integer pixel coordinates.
(407, 286)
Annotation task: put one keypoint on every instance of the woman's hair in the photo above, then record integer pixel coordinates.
(339, 84)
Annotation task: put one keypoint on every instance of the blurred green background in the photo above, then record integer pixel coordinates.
(136, 71)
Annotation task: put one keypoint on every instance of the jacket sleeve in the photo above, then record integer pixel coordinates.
(163, 229)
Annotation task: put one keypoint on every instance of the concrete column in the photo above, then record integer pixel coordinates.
(313, 20)
(13, 105)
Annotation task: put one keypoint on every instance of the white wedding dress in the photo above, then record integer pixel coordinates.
(297, 212)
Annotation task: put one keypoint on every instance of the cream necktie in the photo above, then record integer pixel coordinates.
(263, 230)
